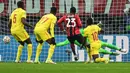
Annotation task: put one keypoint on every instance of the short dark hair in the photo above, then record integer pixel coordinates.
(89, 21)
(53, 10)
(73, 10)
(20, 4)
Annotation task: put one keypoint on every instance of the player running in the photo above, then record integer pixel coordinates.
(73, 24)
(16, 24)
(91, 32)
(47, 22)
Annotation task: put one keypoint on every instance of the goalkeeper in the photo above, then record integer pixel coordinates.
(101, 50)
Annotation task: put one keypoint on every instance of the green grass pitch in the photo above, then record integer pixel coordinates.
(65, 68)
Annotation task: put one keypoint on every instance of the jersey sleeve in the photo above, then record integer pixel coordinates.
(52, 26)
(59, 23)
(99, 29)
(82, 31)
(23, 14)
(78, 21)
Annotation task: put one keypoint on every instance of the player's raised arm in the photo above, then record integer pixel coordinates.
(10, 23)
(59, 23)
(23, 20)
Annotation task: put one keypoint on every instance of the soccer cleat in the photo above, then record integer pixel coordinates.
(29, 61)
(49, 61)
(37, 62)
(16, 61)
(123, 50)
(106, 61)
(88, 62)
(115, 53)
(76, 58)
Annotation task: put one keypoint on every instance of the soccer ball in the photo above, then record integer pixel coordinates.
(6, 39)
(126, 10)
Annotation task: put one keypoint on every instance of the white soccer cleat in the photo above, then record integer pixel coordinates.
(37, 62)
(76, 58)
(88, 62)
(123, 50)
(49, 61)
(16, 61)
(29, 61)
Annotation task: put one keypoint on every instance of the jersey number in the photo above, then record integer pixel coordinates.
(14, 18)
(72, 20)
(95, 37)
(44, 19)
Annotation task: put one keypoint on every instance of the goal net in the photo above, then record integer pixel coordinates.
(109, 12)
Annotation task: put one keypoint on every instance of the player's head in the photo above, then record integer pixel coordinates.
(20, 4)
(90, 21)
(53, 10)
(73, 10)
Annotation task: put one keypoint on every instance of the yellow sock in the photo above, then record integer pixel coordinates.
(20, 47)
(100, 59)
(51, 51)
(29, 51)
(39, 48)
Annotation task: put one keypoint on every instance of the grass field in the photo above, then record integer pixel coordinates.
(65, 68)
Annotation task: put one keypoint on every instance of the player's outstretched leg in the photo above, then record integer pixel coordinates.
(62, 43)
(38, 52)
(112, 47)
(101, 50)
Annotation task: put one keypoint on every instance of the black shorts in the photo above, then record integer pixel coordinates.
(78, 37)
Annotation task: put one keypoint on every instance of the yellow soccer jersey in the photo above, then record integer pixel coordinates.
(92, 33)
(45, 23)
(16, 16)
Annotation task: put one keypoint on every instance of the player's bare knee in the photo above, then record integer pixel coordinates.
(28, 41)
(39, 41)
(21, 43)
(51, 41)
(95, 56)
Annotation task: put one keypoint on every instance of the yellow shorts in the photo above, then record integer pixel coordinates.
(42, 35)
(21, 35)
(94, 47)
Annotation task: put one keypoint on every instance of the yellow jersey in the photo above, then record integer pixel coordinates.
(16, 16)
(91, 32)
(45, 23)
